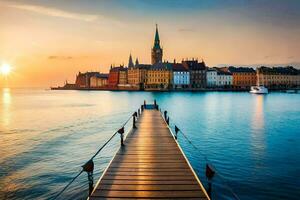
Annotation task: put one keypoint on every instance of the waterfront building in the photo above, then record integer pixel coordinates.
(113, 77)
(197, 73)
(122, 76)
(242, 77)
(224, 79)
(278, 77)
(159, 76)
(157, 51)
(137, 75)
(99, 80)
(83, 79)
(181, 76)
(211, 78)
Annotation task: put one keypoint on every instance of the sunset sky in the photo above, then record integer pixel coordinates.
(47, 42)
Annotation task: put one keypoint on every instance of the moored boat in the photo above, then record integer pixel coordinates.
(259, 90)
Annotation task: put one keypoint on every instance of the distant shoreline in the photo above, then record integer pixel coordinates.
(173, 90)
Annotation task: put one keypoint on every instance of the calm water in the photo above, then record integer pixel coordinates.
(45, 136)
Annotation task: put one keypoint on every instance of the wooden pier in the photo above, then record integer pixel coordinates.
(150, 165)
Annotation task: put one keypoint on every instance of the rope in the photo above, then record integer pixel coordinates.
(104, 145)
(208, 161)
(67, 185)
(99, 150)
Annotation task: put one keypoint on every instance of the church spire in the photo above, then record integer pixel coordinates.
(157, 52)
(156, 40)
(130, 62)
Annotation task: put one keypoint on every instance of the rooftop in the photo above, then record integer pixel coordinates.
(178, 67)
(241, 69)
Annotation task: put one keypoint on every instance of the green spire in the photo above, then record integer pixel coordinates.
(156, 41)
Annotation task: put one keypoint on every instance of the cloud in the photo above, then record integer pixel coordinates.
(60, 57)
(54, 12)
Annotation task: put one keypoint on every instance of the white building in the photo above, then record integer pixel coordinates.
(224, 79)
(181, 76)
(211, 77)
(218, 78)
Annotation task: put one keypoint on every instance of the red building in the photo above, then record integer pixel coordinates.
(113, 77)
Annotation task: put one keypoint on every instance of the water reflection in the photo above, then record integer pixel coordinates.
(6, 102)
(258, 127)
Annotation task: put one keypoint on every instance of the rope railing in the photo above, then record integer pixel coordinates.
(89, 165)
(210, 170)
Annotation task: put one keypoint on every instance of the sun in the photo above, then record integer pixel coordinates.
(5, 69)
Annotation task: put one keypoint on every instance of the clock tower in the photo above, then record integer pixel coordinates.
(157, 52)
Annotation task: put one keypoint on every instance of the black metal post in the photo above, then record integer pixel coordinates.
(144, 102)
(91, 182)
(139, 112)
(209, 172)
(165, 115)
(142, 108)
(209, 190)
(134, 118)
(89, 168)
(176, 131)
(168, 120)
(121, 132)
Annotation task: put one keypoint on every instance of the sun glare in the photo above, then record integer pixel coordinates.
(5, 69)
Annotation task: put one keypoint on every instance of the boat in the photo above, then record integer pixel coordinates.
(259, 90)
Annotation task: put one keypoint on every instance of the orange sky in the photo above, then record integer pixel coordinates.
(48, 43)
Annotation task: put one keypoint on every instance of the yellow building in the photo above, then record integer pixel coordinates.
(159, 76)
(137, 75)
(278, 77)
(122, 76)
(99, 80)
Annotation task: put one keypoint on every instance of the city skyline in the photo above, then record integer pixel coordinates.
(46, 43)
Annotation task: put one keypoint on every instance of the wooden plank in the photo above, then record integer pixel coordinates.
(147, 156)
(147, 194)
(123, 169)
(150, 178)
(149, 166)
(148, 187)
(157, 173)
(148, 182)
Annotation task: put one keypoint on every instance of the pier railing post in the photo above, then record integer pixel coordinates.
(142, 108)
(134, 119)
(176, 131)
(121, 132)
(155, 105)
(165, 114)
(209, 172)
(139, 112)
(89, 168)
